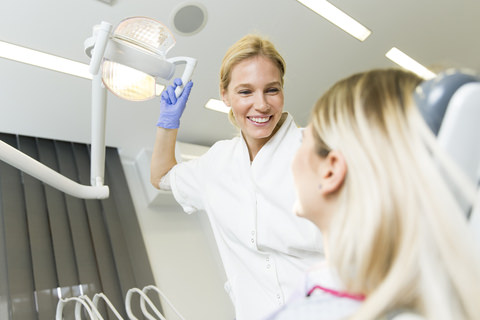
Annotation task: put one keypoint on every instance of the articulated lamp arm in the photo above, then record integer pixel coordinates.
(51, 177)
(38, 170)
(127, 50)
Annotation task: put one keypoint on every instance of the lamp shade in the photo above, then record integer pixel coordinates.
(129, 75)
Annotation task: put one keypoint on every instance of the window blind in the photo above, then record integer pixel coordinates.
(54, 245)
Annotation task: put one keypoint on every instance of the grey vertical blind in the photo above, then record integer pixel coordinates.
(54, 245)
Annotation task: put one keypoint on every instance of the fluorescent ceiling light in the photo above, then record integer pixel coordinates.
(51, 62)
(408, 63)
(338, 17)
(217, 105)
(44, 60)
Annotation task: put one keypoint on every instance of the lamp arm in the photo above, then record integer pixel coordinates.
(38, 170)
(98, 123)
(101, 34)
(191, 63)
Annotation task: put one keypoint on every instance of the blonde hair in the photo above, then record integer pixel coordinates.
(248, 47)
(400, 237)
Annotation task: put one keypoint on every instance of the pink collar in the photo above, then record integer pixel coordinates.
(358, 297)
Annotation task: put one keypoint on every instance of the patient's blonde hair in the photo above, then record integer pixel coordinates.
(400, 237)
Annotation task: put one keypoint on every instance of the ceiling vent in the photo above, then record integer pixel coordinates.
(188, 18)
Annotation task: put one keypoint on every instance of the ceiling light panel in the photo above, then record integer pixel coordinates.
(44, 60)
(408, 63)
(338, 18)
(217, 105)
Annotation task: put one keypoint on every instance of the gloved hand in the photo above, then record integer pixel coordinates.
(171, 107)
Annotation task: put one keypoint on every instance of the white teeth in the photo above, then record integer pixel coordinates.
(260, 120)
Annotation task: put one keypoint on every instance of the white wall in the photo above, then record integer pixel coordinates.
(182, 252)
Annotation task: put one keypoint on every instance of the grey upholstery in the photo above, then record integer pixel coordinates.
(450, 104)
(433, 96)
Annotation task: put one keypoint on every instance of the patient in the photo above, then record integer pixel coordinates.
(367, 175)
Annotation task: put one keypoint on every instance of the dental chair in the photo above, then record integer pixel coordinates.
(450, 105)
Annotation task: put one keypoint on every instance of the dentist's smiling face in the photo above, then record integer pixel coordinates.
(255, 94)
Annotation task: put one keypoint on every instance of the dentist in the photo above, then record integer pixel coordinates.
(244, 184)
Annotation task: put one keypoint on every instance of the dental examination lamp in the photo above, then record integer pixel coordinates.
(127, 61)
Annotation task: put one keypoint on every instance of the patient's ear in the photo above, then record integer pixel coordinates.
(333, 172)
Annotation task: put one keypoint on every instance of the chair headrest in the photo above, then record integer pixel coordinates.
(432, 96)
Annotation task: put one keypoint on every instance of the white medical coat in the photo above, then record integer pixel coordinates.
(265, 248)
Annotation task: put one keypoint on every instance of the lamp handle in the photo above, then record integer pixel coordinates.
(191, 63)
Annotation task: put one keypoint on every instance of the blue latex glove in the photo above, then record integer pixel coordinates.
(171, 107)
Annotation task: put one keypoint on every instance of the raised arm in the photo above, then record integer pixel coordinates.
(171, 109)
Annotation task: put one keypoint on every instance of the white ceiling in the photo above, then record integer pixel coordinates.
(43, 103)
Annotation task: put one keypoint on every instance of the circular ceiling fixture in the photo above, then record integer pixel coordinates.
(189, 18)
